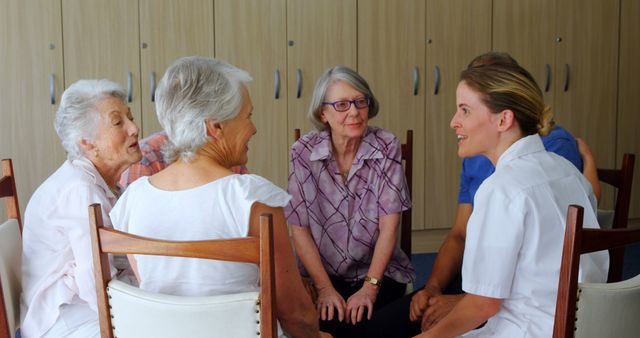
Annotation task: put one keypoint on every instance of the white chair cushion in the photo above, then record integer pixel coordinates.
(10, 270)
(608, 310)
(139, 313)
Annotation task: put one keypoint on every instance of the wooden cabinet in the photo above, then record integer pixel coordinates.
(628, 138)
(391, 56)
(101, 40)
(285, 45)
(574, 63)
(260, 48)
(31, 81)
(450, 48)
(412, 57)
(169, 30)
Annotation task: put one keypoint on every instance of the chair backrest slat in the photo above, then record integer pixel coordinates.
(576, 242)
(250, 250)
(622, 179)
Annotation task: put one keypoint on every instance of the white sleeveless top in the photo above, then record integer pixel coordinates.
(216, 210)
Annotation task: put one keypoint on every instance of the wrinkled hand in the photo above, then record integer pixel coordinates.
(420, 301)
(360, 301)
(328, 300)
(439, 307)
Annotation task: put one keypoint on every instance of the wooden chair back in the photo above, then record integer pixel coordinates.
(8, 191)
(248, 250)
(579, 241)
(622, 180)
(10, 253)
(407, 158)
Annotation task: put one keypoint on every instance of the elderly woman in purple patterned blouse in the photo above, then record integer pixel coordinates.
(348, 189)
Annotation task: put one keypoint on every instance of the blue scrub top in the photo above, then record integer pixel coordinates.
(477, 168)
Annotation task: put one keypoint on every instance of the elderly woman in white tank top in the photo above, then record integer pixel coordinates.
(205, 108)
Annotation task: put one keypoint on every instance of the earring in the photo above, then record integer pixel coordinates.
(96, 154)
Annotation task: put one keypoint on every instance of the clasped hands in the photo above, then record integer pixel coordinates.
(430, 306)
(330, 301)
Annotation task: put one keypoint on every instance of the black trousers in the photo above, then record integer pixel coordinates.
(389, 292)
(393, 320)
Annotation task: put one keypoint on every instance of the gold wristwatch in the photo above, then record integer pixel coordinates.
(373, 281)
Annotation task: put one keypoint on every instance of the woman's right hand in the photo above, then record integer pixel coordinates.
(329, 301)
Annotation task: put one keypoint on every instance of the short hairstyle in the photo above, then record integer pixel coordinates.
(504, 84)
(330, 76)
(77, 117)
(193, 90)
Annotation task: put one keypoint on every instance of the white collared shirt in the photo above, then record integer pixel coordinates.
(515, 236)
(57, 265)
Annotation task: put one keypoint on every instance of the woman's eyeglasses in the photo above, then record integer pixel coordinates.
(344, 105)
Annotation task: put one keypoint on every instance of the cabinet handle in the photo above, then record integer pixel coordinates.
(52, 88)
(298, 83)
(566, 77)
(547, 80)
(152, 84)
(436, 82)
(277, 84)
(129, 87)
(416, 80)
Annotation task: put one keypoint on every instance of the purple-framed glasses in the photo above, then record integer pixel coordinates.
(344, 105)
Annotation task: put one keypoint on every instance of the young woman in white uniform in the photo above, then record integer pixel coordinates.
(515, 234)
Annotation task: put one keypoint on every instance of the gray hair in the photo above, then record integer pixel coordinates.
(77, 117)
(330, 76)
(192, 91)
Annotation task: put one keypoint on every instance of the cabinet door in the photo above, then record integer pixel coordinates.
(526, 30)
(31, 45)
(170, 29)
(101, 40)
(628, 98)
(391, 56)
(320, 34)
(450, 48)
(251, 34)
(587, 63)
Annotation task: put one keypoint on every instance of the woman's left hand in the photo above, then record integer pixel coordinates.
(360, 301)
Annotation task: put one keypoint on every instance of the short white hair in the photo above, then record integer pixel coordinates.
(77, 117)
(192, 91)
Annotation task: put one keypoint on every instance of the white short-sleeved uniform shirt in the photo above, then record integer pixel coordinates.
(515, 236)
(216, 210)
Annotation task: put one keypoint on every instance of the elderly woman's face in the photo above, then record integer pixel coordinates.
(475, 125)
(348, 124)
(239, 130)
(116, 141)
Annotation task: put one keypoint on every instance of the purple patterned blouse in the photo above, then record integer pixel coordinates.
(344, 218)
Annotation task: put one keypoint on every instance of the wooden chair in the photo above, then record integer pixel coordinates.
(126, 311)
(407, 157)
(594, 309)
(9, 192)
(10, 255)
(621, 179)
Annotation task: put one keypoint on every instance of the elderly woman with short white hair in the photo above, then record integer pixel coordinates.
(100, 138)
(204, 106)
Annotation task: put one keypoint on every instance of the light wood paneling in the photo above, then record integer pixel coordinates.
(101, 39)
(260, 48)
(526, 29)
(588, 107)
(450, 48)
(629, 94)
(169, 30)
(320, 34)
(31, 52)
(391, 44)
